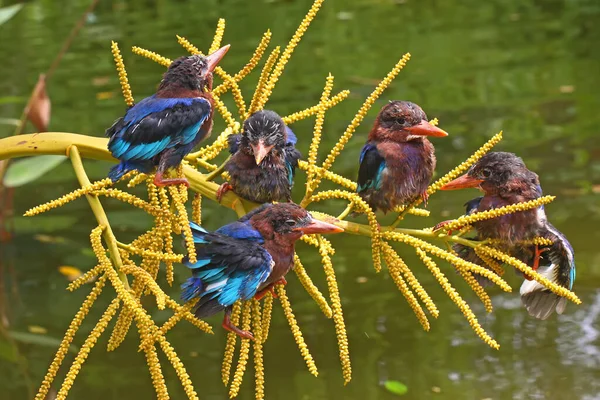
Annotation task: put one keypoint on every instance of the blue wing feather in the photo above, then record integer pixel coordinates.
(291, 136)
(371, 167)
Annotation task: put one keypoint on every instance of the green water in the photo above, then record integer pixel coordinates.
(527, 67)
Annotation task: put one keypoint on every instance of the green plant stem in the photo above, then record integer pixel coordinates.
(99, 213)
(211, 177)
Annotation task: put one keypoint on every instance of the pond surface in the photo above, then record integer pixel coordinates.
(527, 67)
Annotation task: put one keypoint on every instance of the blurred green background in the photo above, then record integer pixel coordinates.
(527, 67)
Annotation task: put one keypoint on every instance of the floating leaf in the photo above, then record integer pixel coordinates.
(39, 109)
(21, 172)
(37, 339)
(37, 329)
(71, 273)
(7, 13)
(395, 387)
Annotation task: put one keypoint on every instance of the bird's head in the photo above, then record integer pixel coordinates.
(497, 173)
(402, 121)
(192, 72)
(287, 222)
(263, 131)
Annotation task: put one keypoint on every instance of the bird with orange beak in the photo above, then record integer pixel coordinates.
(397, 162)
(246, 258)
(264, 160)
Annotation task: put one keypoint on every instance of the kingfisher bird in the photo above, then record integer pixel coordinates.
(162, 129)
(246, 258)
(264, 159)
(397, 162)
(504, 179)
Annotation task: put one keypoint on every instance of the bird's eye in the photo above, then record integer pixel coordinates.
(400, 120)
(486, 172)
(290, 222)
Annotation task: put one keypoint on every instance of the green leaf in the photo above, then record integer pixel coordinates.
(395, 387)
(7, 13)
(29, 169)
(37, 339)
(8, 352)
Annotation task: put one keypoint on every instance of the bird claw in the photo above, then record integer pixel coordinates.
(441, 225)
(425, 197)
(229, 326)
(536, 260)
(160, 182)
(224, 188)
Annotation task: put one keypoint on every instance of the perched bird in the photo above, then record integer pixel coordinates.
(162, 129)
(246, 258)
(504, 180)
(263, 160)
(397, 162)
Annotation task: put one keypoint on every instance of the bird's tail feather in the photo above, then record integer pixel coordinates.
(124, 167)
(537, 299)
(191, 289)
(198, 232)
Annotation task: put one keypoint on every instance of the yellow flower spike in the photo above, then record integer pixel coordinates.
(420, 212)
(316, 140)
(122, 326)
(184, 224)
(542, 241)
(238, 98)
(61, 201)
(336, 307)
(462, 167)
(394, 271)
(413, 282)
(308, 112)
(147, 279)
(497, 212)
(310, 287)
(85, 278)
(136, 180)
(84, 351)
(222, 109)
(155, 255)
(197, 209)
(262, 81)
(238, 375)
(63, 348)
(157, 58)
(187, 45)
(179, 368)
(478, 289)
(287, 53)
(453, 294)
(259, 368)
(128, 198)
(156, 374)
(126, 89)
(289, 315)
(256, 57)
(230, 345)
(521, 266)
(331, 176)
(451, 258)
(434, 122)
(266, 316)
(360, 115)
(490, 262)
(216, 43)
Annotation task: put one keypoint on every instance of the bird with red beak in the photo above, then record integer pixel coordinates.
(397, 162)
(264, 160)
(246, 258)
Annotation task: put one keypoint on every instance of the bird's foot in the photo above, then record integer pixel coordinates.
(536, 260)
(160, 181)
(425, 197)
(441, 225)
(224, 188)
(229, 326)
(262, 293)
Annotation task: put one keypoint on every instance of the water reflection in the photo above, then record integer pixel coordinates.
(527, 67)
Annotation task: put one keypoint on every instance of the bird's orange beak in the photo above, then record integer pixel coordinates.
(462, 182)
(260, 151)
(213, 59)
(424, 128)
(317, 226)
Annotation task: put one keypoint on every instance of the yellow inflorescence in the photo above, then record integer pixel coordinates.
(256, 57)
(336, 307)
(478, 289)
(396, 275)
(331, 176)
(360, 115)
(497, 212)
(122, 74)
(197, 209)
(289, 315)
(462, 167)
(218, 38)
(157, 58)
(85, 278)
(310, 287)
(316, 139)
(287, 53)
(266, 316)
(61, 201)
(262, 81)
(230, 345)
(183, 223)
(310, 111)
(236, 382)
(259, 368)
(489, 262)
(521, 266)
